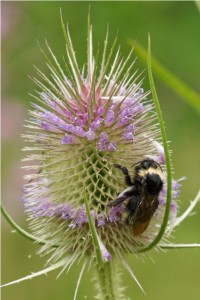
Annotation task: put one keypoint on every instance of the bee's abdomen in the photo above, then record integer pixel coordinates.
(144, 214)
(140, 227)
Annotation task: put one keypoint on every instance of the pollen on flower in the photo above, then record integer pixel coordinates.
(84, 123)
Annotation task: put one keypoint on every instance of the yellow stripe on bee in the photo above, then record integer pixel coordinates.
(150, 171)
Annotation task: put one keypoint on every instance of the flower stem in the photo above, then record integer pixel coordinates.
(105, 286)
(107, 275)
(108, 282)
(95, 238)
(104, 281)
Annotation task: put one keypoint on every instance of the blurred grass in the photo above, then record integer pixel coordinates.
(176, 84)
(174, 29)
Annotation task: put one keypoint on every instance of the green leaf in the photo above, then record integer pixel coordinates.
(197, 2)
(167, 155)
(188, 211)
(39, 273)
(177, 85)
(179, 246)
(20, 230)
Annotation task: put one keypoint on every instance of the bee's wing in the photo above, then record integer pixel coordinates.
(144, 207)
(133, 206)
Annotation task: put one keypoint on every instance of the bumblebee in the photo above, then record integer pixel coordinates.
(142, 193)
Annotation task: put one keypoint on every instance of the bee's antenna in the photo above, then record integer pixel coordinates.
(159, 166)
(136, 163)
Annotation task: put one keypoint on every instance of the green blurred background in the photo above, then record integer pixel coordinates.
(175, 31)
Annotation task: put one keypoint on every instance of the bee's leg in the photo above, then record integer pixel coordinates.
(124, 170)
(121, 197)
(117, 201)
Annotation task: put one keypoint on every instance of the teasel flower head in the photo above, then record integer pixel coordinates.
(84, 122)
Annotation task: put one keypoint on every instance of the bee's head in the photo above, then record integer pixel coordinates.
(147, 164)
(148, 173)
